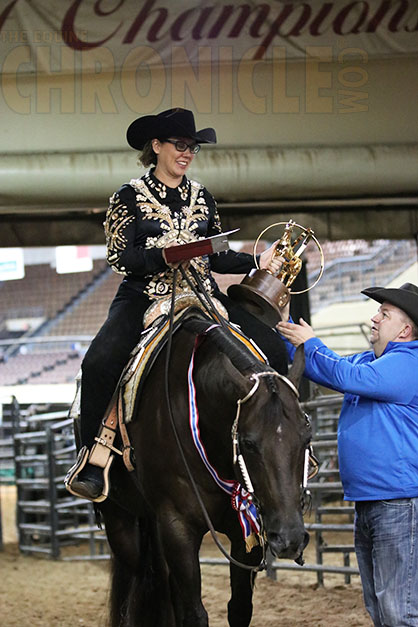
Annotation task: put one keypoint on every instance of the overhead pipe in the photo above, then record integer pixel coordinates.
(233, 175)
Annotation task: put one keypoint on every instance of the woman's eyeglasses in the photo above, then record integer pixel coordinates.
(182, 146)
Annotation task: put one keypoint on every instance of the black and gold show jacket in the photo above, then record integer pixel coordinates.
(145, 216)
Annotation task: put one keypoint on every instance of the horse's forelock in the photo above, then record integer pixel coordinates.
(272, 384)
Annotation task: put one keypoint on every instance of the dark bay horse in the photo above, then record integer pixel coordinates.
(153, 520)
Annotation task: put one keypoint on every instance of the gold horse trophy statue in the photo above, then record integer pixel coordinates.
(264, 292)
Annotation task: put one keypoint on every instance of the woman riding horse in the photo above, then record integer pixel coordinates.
(146, 216)
(220, 442)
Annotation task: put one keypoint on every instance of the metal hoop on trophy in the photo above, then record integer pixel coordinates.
(264, 292)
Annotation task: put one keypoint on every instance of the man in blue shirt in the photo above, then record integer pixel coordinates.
(378, 447)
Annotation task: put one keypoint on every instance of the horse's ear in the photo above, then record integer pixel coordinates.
(298, 366)
(234, 377)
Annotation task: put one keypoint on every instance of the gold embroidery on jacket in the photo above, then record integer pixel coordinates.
(117, 219)
(177, 228)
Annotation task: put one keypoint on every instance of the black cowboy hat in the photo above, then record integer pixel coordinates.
(404, 297)
(171, 123)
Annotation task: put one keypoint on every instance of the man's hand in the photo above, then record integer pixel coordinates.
(296, 333)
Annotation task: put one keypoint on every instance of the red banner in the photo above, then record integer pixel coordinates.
(127, 34)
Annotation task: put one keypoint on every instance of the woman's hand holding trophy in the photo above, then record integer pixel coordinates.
(265, 292)
(270, 260)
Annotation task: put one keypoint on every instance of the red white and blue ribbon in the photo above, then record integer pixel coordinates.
(241, 500)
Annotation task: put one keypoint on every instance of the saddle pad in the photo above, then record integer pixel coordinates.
(144, 355)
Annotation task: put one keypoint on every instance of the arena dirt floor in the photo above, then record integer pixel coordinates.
(38, 592)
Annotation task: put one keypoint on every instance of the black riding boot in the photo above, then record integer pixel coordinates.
(101, 369)
(89, 482)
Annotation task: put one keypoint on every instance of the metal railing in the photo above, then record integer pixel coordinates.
(49, 519)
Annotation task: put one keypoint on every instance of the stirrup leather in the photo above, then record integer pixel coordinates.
(111, 423)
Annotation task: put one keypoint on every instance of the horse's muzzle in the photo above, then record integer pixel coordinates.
(288, 544)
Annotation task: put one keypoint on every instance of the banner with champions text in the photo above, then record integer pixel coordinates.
(50, 37)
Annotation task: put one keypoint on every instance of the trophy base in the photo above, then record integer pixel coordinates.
(258, 293)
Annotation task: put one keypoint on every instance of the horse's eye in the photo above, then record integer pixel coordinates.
(249, 445)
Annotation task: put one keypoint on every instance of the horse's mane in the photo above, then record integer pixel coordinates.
(241, 357)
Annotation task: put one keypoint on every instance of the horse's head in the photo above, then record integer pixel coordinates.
(273, 436)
